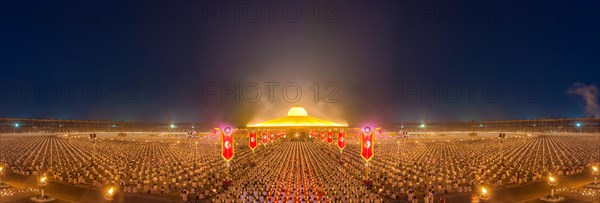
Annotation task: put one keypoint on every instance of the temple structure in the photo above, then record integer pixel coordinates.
(297, 117)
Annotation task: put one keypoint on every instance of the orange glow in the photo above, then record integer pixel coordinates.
(297, 117)
(110, 191)
(483, 190)
(593, 168)
(43, 179)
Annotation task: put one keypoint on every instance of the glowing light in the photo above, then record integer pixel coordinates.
(578, 124)
(483, 191)
(110, 191)
(112, 125)
(422, 125)
(172, 125)
(227, 131)
(595, 168)
(297, 111)
(480, 125)
(43, 179)
(1, 169)
(551, 179)
(367, 130)
(16, 125)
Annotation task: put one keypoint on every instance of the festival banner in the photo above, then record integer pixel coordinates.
(265, 139)
(341, 139)
(253, 142)
(329, 137)
(227, 151)
(322, 135)
(271, 135)
(367, 143)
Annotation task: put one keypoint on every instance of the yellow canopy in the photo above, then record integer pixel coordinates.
(297, 117)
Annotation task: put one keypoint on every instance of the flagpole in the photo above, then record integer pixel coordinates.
(367, 166)
(228, 175)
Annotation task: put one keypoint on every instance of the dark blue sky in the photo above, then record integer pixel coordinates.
(131, 60)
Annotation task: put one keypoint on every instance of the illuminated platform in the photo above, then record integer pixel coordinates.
(4, 186)
(42, 199)
(297, 117)
(552, 199)
(593, 185)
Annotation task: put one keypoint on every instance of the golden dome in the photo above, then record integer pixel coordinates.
(297, 111)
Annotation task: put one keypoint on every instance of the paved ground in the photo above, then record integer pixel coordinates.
(70, 193)
(529, 193)
(18, 194)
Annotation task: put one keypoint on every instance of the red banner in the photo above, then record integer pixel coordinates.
(265, 139)
(253, 142)
(271, 135)
(367, 143)
(329, 137)
(227, 151)
(341, 140)
(322, 135)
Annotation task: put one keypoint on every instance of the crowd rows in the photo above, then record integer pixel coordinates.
(298, 170)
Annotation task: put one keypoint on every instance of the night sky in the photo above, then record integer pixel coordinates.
(382, 61)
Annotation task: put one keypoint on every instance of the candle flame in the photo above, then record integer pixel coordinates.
(551, 179)
(594, 168)
(110, 191)
(43, 179)
(483, 190)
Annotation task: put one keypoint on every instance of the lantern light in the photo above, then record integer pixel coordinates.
(109, 195)
(484, 196)
(227, 131)
(367, 130)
